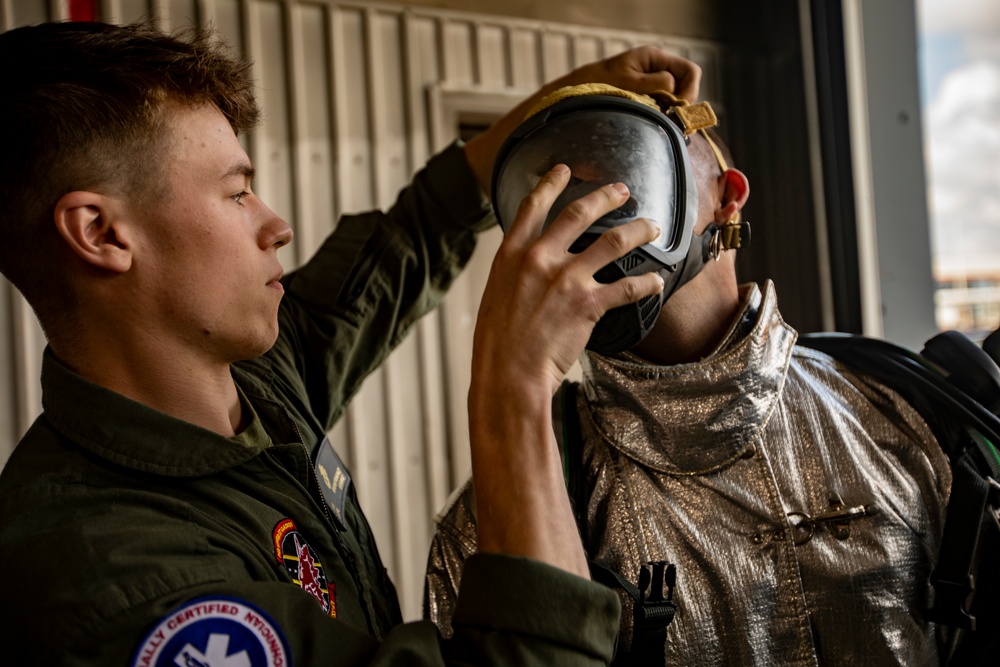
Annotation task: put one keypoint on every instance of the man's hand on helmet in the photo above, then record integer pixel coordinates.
(540, 305)
(541, 300)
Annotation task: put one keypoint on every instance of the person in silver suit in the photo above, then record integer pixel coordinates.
(801, 502)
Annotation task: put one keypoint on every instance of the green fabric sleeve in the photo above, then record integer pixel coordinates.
(512, 611)
(556, 617)
(379, 272)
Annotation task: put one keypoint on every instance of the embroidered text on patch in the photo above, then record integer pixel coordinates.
(220, 632)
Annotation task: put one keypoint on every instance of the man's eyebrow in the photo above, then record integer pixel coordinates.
(241, 169)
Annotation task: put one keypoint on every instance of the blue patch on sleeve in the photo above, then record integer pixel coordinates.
(214, 632)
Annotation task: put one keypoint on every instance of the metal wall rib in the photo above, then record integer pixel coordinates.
(356, 97)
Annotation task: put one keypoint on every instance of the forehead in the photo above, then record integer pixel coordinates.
(201, 141)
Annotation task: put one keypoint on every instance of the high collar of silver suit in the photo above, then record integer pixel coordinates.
(707, 415)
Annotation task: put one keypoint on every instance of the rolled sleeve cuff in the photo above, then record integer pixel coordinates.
(527, 597)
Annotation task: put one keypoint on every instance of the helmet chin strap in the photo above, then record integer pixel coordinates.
(708, 246)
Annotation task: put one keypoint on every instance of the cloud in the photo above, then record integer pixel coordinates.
(963, 145)
(971, 17)
(985, 45)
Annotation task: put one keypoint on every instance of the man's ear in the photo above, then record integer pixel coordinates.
(735, 189)
(90, 223)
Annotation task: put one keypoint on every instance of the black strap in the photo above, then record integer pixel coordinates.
(953, 578)
(572, 447)
(653, 609)
(653, 606)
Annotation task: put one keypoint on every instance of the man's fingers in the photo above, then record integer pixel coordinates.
(581, 214)
(686, 75)
(656, 70)
(627, 290)
(616, 243)
(534, 208)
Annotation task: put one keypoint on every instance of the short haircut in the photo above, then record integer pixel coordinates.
(83, 106)
(713, 134)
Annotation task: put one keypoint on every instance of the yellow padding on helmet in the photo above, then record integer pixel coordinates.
(589, 89)
(692, 117)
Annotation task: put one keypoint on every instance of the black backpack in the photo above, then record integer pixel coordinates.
(955, 385)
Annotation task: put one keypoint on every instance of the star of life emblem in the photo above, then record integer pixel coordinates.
(300, 562)
(216, 655)
(214, 632)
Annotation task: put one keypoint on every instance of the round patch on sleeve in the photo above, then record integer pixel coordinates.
(214, 632)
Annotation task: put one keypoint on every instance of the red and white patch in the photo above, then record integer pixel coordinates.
(303, 566)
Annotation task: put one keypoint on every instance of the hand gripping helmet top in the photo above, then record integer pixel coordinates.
(606, 135)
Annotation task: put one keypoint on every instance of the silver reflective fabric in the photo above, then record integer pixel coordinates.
(732, 468)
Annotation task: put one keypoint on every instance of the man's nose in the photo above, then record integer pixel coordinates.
(275, 232)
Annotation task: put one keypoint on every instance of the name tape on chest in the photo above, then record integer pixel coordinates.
(215, 632)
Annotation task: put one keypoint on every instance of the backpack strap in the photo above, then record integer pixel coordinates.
(653, 609)
(653, 605)
(572, 451)
(953, 579)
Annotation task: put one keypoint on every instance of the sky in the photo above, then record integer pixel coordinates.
(960, 94)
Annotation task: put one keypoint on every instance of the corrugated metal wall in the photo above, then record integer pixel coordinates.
(356, 97)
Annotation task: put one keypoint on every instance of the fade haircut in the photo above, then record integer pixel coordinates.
(701, 153)
(706, 166)
(83, 106)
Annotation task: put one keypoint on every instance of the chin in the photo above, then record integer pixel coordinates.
(266, 343)
(255, 347)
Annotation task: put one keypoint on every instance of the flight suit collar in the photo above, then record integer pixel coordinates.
(139, 437)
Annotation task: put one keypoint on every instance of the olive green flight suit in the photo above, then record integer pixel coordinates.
(116, 516)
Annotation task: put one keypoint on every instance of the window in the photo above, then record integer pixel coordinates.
(960, 96)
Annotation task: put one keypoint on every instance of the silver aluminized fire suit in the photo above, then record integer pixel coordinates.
(731, 468)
